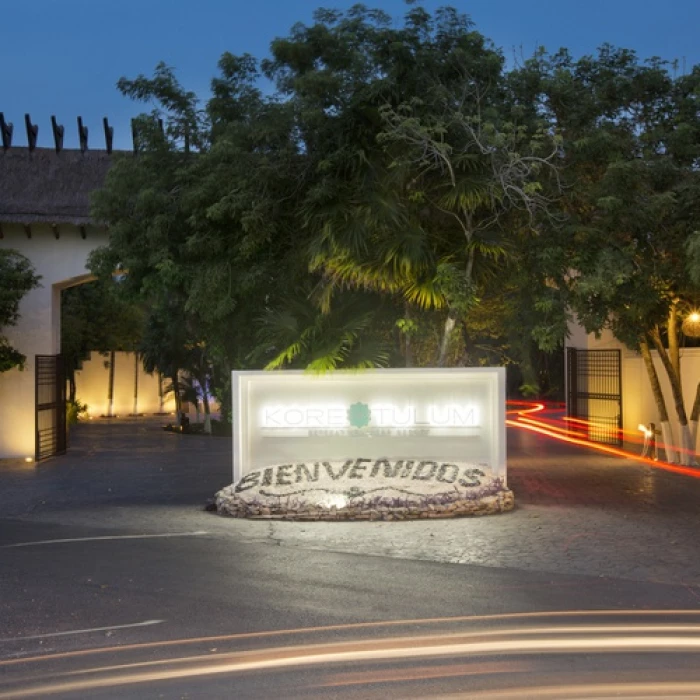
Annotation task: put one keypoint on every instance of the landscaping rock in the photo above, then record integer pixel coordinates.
(381, 489)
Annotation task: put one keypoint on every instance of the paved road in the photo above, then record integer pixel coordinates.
(109, 546)
(578, 512)
(589, 654)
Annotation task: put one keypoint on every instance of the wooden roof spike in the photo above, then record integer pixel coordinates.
(58, 132)
(83, 135)
(6, 128)
(109, 135)
(32, 132)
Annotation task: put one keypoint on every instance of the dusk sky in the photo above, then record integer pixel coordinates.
(64, 57)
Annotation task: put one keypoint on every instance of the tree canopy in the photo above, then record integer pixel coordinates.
(404, 196)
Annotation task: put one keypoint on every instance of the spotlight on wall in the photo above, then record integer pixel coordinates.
(691, 324)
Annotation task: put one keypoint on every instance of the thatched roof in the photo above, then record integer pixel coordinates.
(43, 186)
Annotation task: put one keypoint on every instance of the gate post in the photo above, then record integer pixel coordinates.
(572, 382)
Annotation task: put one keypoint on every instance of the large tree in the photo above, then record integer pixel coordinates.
(631, 135)
(422, 167)
(398, 199)
(370, 204)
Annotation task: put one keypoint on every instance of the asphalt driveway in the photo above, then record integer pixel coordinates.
(577, 511)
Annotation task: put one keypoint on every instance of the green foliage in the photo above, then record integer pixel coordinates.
(631, 183)
(403, 197)
(16, 279)
(295, 335)
(75, 411)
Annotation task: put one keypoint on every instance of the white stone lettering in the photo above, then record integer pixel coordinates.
(337, 418)
(272, 417)
(315, 417)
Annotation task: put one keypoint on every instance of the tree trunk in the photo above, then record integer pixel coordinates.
(464, 332)
(110, 385)
(136, 384)
(160, 392)
(175, 379)
(677, 392)
(408, 350)
(207, 412)
(193, 379)
(673, 345)
(445, 340)
(659, 399)
(452, 314)
(71, 385)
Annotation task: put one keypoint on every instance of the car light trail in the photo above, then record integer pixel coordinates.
(633, 434)
(584, 691)
(353, 626)
(512, 642)
(550, 429)
(416, 673)
(563, 431)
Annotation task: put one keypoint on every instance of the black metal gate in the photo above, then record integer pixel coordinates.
(50, 421)
(594, 394)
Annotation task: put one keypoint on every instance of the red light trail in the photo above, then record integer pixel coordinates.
(549, 423)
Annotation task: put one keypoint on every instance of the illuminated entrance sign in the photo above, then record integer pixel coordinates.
(373, 418)
(294, 417)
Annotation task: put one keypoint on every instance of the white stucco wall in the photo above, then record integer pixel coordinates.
(637, 397)
(578, 338)
(61, 264)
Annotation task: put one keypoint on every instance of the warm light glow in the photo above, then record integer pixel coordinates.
(645, 430)
(29, 459)
(530, 407)
(565, 431)
(694, 317)
(336, 500)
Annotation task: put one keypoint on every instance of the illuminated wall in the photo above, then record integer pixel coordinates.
(92, 387)
(61, 263)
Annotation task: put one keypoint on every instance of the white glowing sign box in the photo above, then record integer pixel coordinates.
(437, 414)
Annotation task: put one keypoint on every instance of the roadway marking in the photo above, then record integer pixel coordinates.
(106, 537)
(145, 623)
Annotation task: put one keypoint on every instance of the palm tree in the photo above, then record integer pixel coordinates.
(296, 334)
